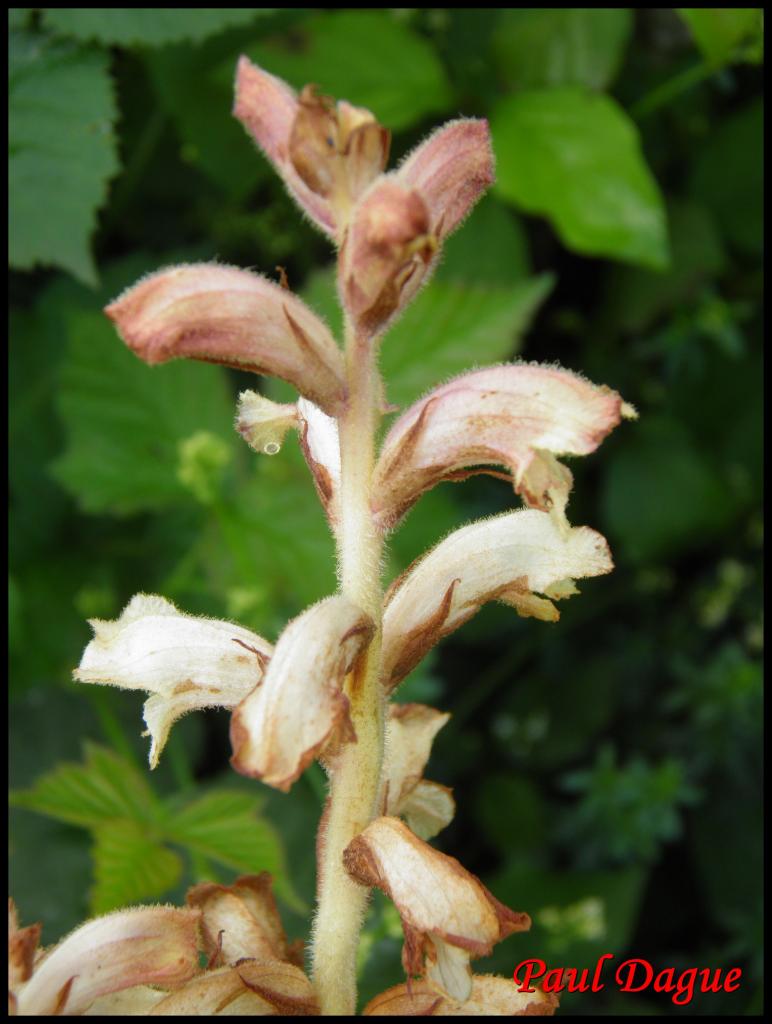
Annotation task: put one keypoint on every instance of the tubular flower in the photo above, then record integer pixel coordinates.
(448, 916)
(509, 558)
(233, 317)
(144, 946)
(185, 662)
(518, 415)
(427, 807)
(301, 708)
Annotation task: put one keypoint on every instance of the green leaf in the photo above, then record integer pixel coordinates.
(126, 422)
(366, 57)
(728, 177)
(576, 158)
(146, 26)
(453, 327)
(637, 297)
(725, 34)
(450, 327)
(62, 152)
(662, 494)
(104, 788)
(224, 826)
(490, 249)
(561, 45)
(130, 867)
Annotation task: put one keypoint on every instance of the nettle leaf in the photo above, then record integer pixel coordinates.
(450, 327)
(561, 45)
(104, 788)
(367, 57)
(62, 152)
(224, 825)
(147, 26)
(725, 34)
(576, 158)
(126, 422)
(130, 867)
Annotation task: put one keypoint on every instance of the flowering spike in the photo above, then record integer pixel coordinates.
(448, 916)
(185, 662)
(505, 558)
(225, 315)
(518, 415)
(280, 728)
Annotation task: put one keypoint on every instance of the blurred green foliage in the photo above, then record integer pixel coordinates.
(607, 769)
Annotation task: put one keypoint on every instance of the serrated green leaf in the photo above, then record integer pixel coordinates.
(62, 152)
(130, 867)
(366, 57)
(561, 45)
(125, 421)
(224, 825)
(576, 158)
(451, 326)
(723, 34)
(146, 26)
(105, 788)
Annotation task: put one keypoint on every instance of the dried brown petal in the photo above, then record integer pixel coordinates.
(426, 806)
(249, 989)
(241, 921)
(448, 915)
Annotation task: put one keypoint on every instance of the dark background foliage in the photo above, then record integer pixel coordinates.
(607, 768)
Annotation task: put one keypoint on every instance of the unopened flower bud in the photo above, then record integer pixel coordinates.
(386, 254)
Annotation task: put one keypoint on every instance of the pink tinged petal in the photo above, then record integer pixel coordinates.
(300, 709)
(387, 254)
(224, 315)
(491, 996)
(450, 171)
(426, 806)
(448, 915)
(509, 558)
(519, 416)
(144, 946)
(184, 662)
(267, 107)
(242, 921)
(320, 443)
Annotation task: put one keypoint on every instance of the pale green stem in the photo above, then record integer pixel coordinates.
(355, 778)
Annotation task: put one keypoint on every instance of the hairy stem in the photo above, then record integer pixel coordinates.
(355, 777)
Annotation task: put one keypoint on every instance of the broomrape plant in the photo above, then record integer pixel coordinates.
(324, 690)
